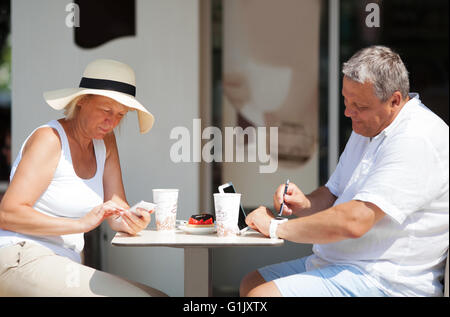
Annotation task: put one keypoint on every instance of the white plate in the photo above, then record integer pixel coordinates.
(199, 230)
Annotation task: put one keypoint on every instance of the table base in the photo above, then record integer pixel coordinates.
(197, 272)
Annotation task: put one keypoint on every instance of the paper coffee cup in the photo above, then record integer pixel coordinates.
(227, 213)
(166, 201)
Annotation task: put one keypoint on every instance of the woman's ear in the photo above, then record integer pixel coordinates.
(83, 100)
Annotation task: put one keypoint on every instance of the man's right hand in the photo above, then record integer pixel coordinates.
(294, 200)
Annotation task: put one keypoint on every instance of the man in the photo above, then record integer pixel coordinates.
(380, 224)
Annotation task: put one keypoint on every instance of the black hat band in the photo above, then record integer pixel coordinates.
(106, 84)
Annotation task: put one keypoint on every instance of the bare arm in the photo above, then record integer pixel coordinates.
(40, 157)
(113, 190)
(112, 177)
(33, 175)
(319, 200)
(348, 220)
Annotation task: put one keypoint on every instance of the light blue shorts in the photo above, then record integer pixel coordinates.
(293, 280)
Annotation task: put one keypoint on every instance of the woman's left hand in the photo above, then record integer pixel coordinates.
(132, 224)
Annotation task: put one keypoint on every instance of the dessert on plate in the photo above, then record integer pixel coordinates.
(201, 221)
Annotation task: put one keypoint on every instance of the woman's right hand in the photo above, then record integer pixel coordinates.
(96, 216)
(294, 200)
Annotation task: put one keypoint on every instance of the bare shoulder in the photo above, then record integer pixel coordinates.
(44, 141)
(36, 168)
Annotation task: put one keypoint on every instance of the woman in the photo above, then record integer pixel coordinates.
(65, 181)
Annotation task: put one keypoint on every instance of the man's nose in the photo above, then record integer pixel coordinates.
(349, 112)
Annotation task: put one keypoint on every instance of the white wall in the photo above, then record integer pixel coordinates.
(165, 57)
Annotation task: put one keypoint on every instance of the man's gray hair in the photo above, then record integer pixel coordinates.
(380, 66)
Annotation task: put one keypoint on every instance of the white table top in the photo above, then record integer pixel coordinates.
(180, 239)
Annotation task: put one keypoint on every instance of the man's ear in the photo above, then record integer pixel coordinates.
(395, 99)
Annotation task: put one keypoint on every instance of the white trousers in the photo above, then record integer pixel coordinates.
(29, 269)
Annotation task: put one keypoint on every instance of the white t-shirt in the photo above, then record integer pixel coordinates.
(404, 171)
(67, 196)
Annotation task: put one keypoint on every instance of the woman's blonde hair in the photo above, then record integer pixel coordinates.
(71, 109)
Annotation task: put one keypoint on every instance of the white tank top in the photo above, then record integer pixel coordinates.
(67, 196)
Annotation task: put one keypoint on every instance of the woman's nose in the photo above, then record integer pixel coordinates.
(113, 121)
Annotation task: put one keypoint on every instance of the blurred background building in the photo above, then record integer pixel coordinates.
(246, 63)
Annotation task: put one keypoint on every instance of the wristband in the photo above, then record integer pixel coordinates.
(274, 225)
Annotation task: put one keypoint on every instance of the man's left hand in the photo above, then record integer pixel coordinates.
(259, 219)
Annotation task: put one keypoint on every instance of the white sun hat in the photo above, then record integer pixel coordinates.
(107, 78)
